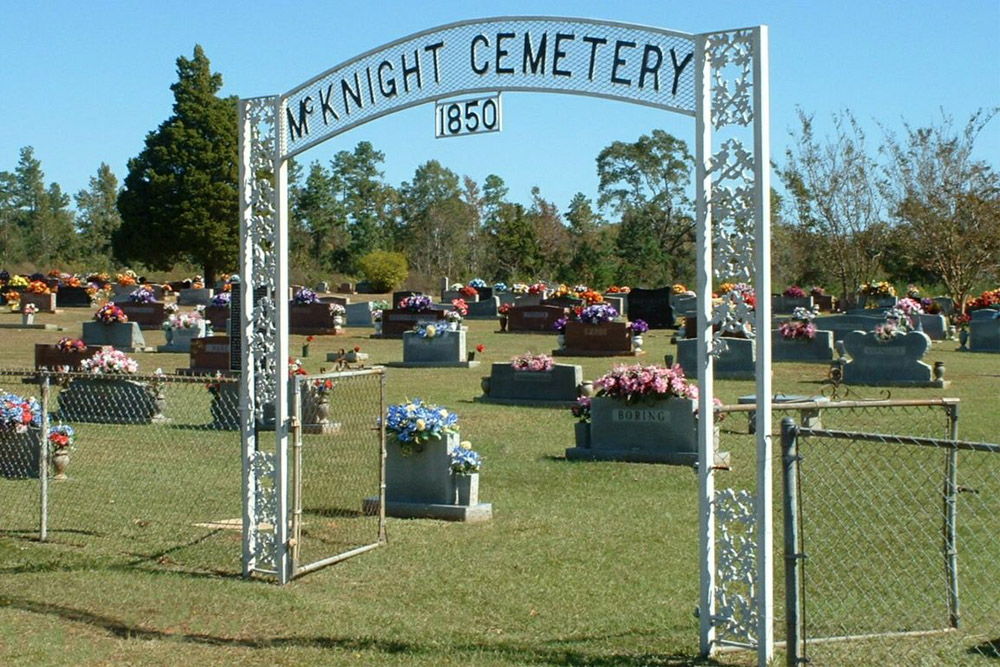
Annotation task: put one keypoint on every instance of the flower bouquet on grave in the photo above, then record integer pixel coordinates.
(637, 382)
(377, 308)
(417, 303)
(110, 362)
(29, 309)
(109, 313)
(533, 363)
(178, 321)
(881, 288)
(430, 330)
(598, 313)
(62, 437)
(468, 291)
(520, 288)
(38, 287)
(591, 297)
(142, 295)
(581, 409)
(465, 460)
(537, 288)
(17, 413)
(794, 292)
(17, 281)
(800, 326)
(897, 323)
(499, 287)
(73, 345)
(414, 423)
(305, 296)
(738, 293)
(477, 283)
(581, 288)
(128, 278)
(222, 299)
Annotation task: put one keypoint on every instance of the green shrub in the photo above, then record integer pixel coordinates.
(384, 270)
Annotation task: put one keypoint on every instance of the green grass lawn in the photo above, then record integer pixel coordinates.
(582, 564)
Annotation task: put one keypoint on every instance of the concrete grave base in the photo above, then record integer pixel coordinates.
(400, 510)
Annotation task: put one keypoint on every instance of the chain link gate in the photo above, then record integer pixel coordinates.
(890, 543)
(337, 467)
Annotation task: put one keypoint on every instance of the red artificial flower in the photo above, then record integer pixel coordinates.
(357, 348)
(309, 338)
(480, 348)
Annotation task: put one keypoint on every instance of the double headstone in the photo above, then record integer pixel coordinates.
(652, 306)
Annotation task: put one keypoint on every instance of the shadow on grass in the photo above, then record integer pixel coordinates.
(516, 653)
(990, 649)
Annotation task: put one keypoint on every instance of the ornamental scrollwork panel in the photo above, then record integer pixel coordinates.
(736, 561)
(731, 55)
(264, 509)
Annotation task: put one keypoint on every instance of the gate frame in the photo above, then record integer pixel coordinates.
(733, 192)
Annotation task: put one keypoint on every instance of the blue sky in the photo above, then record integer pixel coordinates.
(83, 82)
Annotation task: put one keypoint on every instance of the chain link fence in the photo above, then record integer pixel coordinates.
(152, 478)
(893, 557)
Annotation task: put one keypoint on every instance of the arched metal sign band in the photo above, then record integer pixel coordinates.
(617, 61)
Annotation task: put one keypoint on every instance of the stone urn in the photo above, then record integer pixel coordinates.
(466, 489)
(60, 461)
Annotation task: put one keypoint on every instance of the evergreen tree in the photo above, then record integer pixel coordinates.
(42, 214)
(593, 260)
(98, 218)
(11, 243)
(180, 200)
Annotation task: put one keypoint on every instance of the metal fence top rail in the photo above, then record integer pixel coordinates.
(943, 443)
(840, 405)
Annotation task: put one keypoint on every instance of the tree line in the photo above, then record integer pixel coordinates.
(918, 208)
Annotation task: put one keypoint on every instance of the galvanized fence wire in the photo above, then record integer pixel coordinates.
(337, 467)
(927, 418)
(153, 477)
(20, 486)
(898, 540)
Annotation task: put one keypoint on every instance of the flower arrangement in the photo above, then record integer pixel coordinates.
(454, 287)
(18, 413)
(430, 329)
(323, 386)
(452, 316)
(460, 307)
(986, 299)
(910, 307)
(29, 309)
(500, 287)
(633, 383)
(741, 291)
(110, 362)
(468, 291)
(534, 363)
(183, 321)
(504, 309)
(465, 460)
(414, 423)
(477, 283)
(62, 437)
(142, 295)
(581, 409)
(38, 287)
(337, 310)
(72, 281)
(794, 292)
(562, 290)
(638, 327)
(800, 326)
(222, 299)
(305, 296)
(882, 288)
(816, 290)
(591, 297)
(295, 367)
(67, 344)
(930, 306)
(109, 313)
(520, 288)
(961, 320)
(415, 304)
(678, 288)
(537, 288)
(12, 297)
(897, 323)
(17, 281)
(480, 348)
(127, 278)
(560, 325)
(598, 313)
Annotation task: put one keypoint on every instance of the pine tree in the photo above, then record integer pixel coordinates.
(180, 200)
(98, 217)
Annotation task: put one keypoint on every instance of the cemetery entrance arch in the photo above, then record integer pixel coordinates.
(720, 79)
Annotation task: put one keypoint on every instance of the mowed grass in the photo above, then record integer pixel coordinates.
(582, 564)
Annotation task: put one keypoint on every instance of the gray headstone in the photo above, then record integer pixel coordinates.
(557, 385)
(446, 348)
(889, 363)
(984, 335)
(736, 363)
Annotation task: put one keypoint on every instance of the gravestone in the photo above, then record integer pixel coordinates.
(608, 339)
(217, 316)
(684, 305)
(984, 335)
(322, 287)
(483, 309)
(210, 354)
(841, 325)
(146, 315)
(508, 298)
(528, 299)
(345, 288)
(20, 453)
(339, 300)
(617, 301)
(179, 340)
(312, 319)
(396, 322)
(448, 295)
(825, 302)
(895, 362)
(359, 314)
(107, 400)
(564, 301)
(72, 297)
(935, 326)
(556, 387)
(786, 304)
(195, 297)
(45, 303)
(51, 357)
(445, 350)
(736, 363)
(534, 319)
(124, 336)
(399, 296)
(817, 349)
(652, 306)
(660, 431)
(946, 304)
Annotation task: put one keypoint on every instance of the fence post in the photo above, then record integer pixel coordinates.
(793, 559)
(950, 512)
(43, 461)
